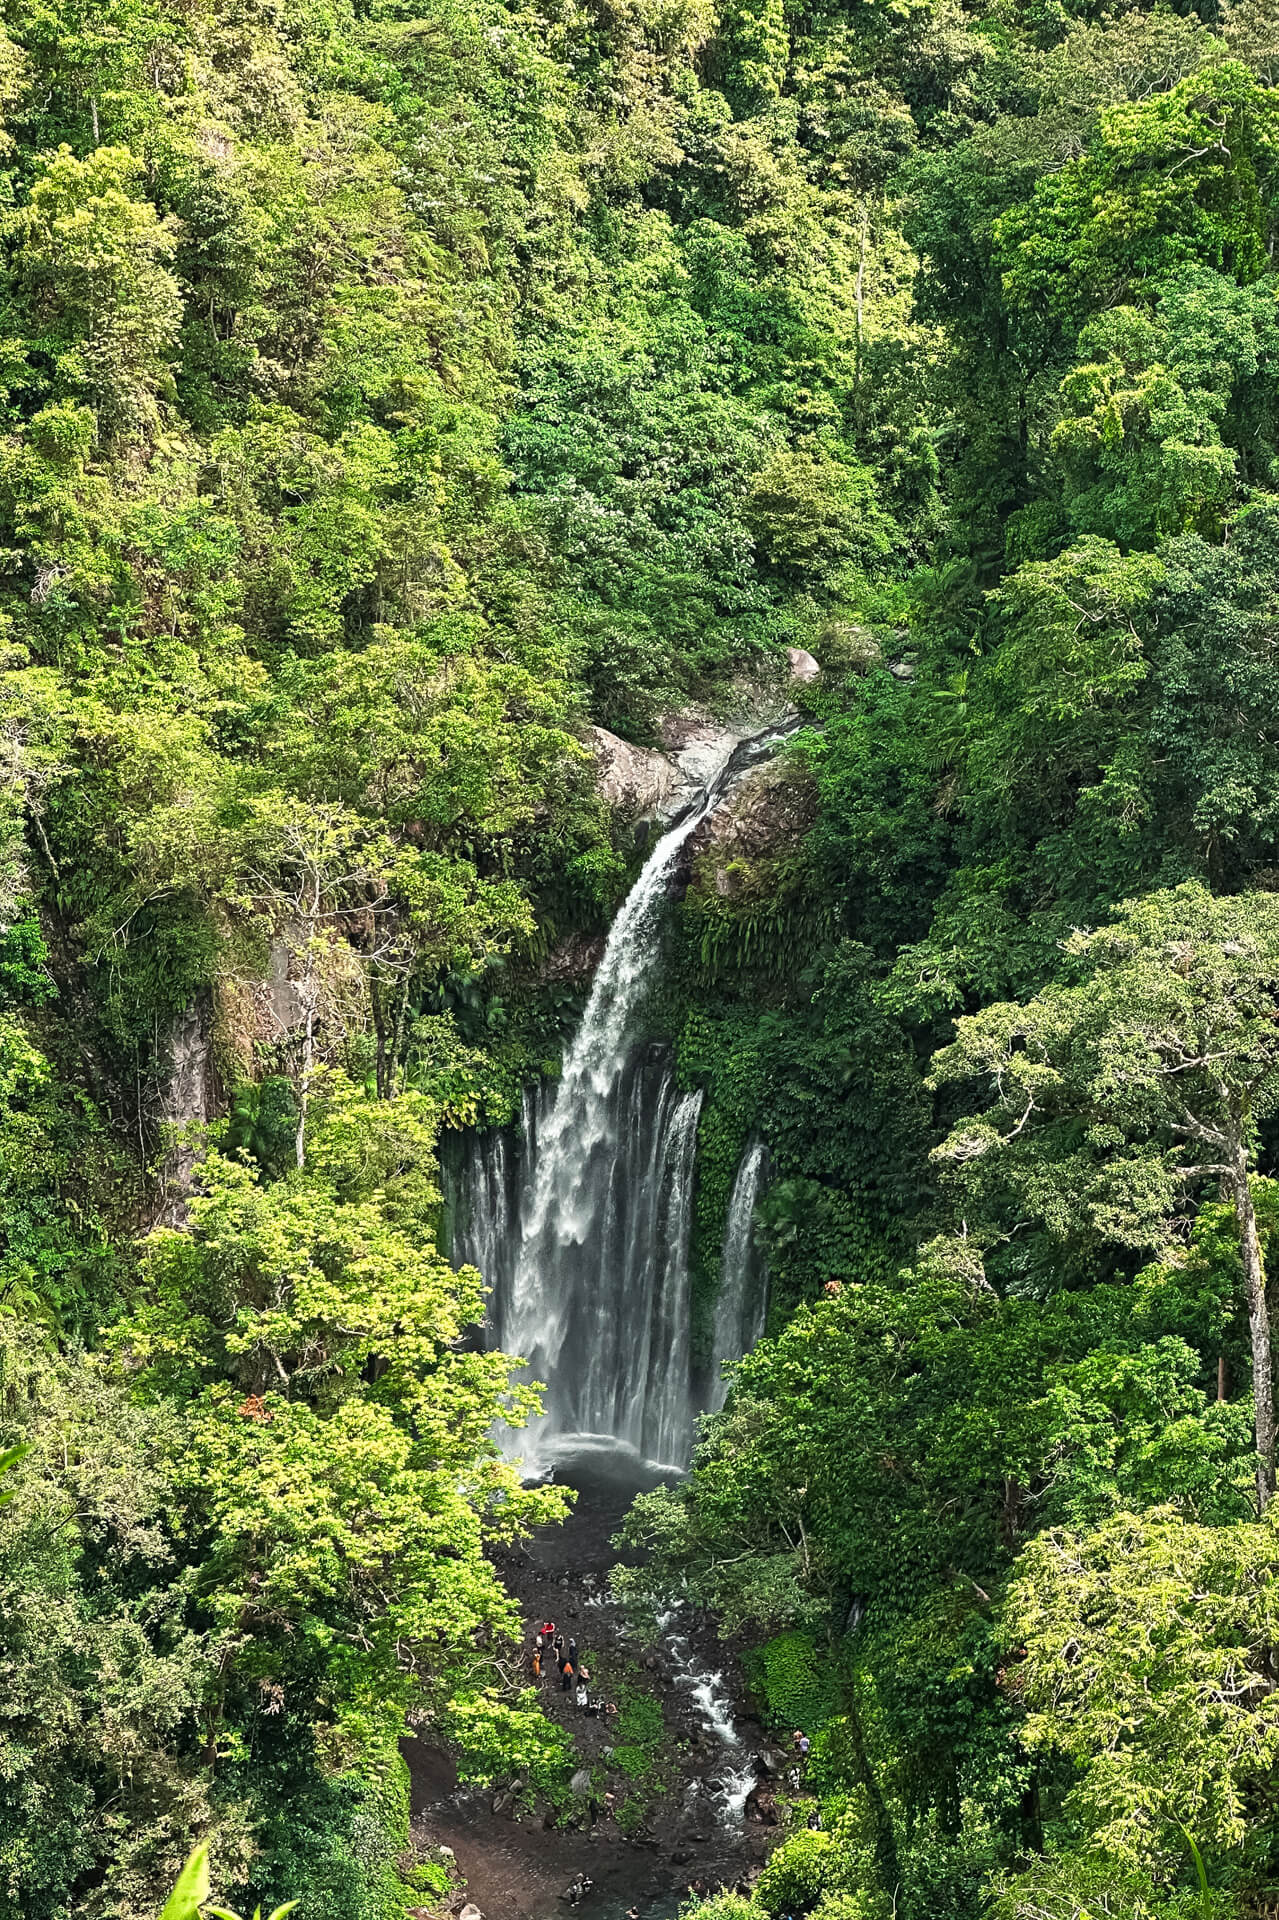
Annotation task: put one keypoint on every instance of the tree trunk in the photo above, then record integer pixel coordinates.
(1254, 1272)
(885, 1841)
(304, 1088)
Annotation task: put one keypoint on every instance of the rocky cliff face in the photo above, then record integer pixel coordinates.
(188, 1102)
(657, 783)
(764, 819)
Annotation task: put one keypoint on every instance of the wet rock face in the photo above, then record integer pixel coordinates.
(699, 747)
(769, 814)
(574, 959)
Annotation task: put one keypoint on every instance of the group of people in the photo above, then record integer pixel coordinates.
(801, 1746)
(552, 1653)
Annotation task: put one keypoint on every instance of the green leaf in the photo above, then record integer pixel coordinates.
(192, 1890)
(11, 1459)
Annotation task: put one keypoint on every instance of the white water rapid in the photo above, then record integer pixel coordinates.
(731, 1783)
(582, 1229)
(742, 1301)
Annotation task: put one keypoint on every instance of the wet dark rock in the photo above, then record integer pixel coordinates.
(761, 1806)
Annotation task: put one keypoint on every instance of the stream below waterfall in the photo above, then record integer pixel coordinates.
(515, 1866)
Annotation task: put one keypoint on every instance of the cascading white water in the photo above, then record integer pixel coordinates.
(584, 1235)
(742, 1300)
(598, 1299)
(486, 1211)
(732, 1783)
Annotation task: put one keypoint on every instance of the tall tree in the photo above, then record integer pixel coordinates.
(1145, 1077)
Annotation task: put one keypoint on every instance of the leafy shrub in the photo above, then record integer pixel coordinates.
(797, 1875)
(853, 1906)
(796, 1687)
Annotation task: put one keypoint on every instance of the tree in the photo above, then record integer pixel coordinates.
(1113, 1097)
(334, 1455)
(104, 1664)
(1148, 1666)
(93, 262)
(1183, 176)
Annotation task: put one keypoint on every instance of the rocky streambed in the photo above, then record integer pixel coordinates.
(669, 1791)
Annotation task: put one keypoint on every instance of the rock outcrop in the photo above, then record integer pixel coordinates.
(770, 811)
(187, 1103)
(657, 783)
(635, 780)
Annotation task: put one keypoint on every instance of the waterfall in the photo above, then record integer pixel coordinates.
(485, 1201)
(742, 1300)
(583, 1235)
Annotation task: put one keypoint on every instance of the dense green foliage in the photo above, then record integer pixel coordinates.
(389, 391)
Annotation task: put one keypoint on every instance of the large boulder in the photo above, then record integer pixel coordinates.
(635, 780)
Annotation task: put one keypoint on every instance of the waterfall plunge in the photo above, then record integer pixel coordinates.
(741, 1302)
(583, 1235)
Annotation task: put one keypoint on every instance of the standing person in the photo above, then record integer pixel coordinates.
(572, 1650)
(537, 1659)
(566, 1676)
(559, 1645)
(583, 1697)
